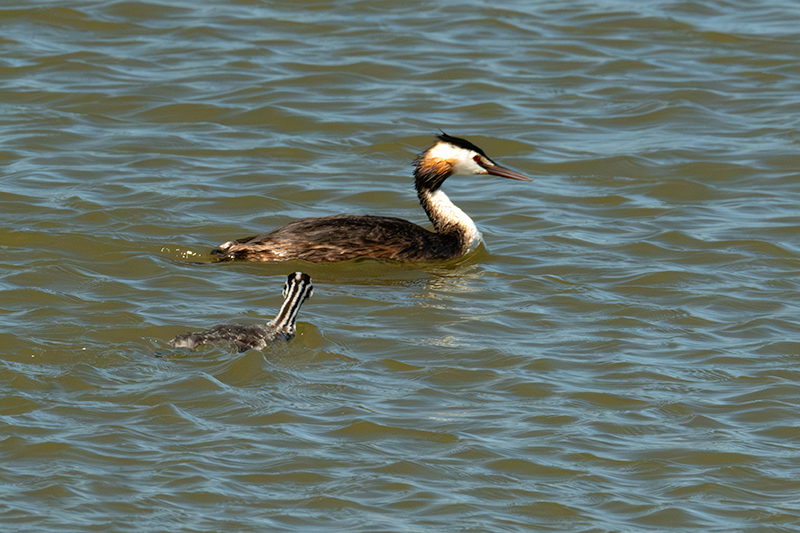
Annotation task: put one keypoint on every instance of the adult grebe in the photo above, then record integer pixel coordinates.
(255, 337)
(343, 237)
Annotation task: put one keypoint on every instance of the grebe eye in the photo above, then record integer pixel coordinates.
(476, 158)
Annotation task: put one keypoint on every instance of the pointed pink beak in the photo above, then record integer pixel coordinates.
(496, 170)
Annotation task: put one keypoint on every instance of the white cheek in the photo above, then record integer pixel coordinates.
(442, 151)
(467, 166)
(461, 161)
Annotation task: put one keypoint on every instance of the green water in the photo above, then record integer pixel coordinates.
(620, 356)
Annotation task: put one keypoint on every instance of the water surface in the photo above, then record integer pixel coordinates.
(620, 356)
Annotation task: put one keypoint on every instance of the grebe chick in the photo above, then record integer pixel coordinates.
(257, 336)
(343, 237)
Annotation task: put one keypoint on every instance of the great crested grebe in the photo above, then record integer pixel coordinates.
(343, 237)
(257, 336)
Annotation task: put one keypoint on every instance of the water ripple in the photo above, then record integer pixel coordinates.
(618, 355)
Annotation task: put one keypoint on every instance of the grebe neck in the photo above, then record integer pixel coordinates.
(295, 293)
(448, 219)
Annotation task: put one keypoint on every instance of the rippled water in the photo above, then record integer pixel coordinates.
(621, 356)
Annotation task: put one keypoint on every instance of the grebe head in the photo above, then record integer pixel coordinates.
(296, 290)
(451, 155)
(301, 280)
